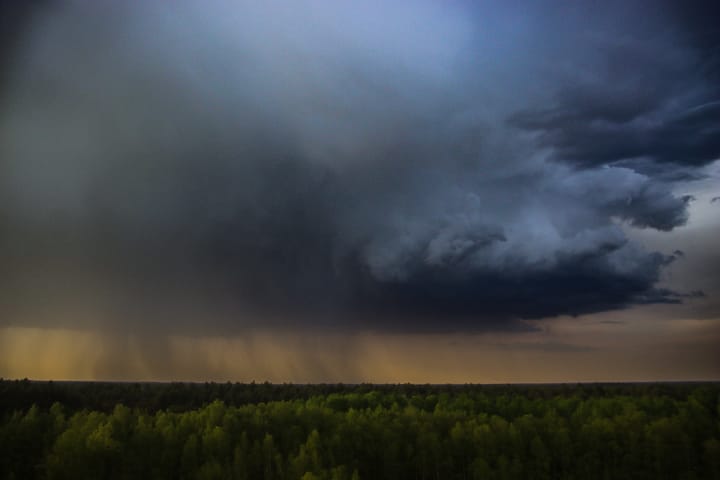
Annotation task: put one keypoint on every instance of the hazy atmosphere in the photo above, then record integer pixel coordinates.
(316, 191)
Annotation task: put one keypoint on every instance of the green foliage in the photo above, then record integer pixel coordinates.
(389, 432)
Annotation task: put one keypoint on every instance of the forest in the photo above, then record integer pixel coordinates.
(86, 430)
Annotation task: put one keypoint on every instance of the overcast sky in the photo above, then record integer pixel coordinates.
(360, 191)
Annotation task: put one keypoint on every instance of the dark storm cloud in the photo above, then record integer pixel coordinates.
(229, 164)
(586, 136)
(697, 25)
(656, 113)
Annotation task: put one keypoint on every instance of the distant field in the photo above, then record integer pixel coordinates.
(78, 430)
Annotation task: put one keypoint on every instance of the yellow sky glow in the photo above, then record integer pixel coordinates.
(594, 348)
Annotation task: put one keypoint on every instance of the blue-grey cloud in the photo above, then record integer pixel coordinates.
(630, 106)
(355, 165)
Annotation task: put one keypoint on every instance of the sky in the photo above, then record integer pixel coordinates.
(315, 191)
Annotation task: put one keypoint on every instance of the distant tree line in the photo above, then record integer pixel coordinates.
(183, 396)
(341, 432)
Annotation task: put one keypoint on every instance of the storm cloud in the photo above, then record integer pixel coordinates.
(413, 167)
(647, 100)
